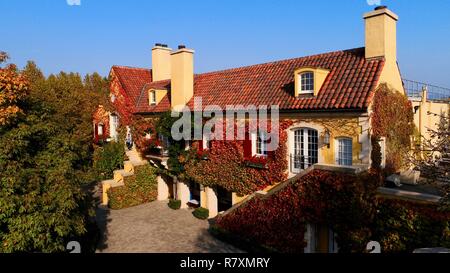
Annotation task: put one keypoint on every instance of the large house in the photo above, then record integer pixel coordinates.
(327, 97)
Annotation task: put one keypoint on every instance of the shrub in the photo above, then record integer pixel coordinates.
(174, 204)
(348, 205)
(201, 213)
(139, 189)
(108, 158)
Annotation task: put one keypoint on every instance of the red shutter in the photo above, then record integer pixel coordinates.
(200, 145)
(96, 131)
(247, 145)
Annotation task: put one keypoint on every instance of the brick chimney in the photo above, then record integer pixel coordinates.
(161, 63)
(182, 85)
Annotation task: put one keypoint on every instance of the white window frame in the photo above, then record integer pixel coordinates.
(100, 128)
(300, 81)
(255, 148)
(152, 97)
(338, 151)
(263, 144)
(382, 144)
(308, 133)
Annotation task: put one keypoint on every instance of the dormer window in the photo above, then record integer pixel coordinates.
(152, 97)
(307, 82)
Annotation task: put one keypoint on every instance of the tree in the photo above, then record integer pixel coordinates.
(432, 157)
(46, 157)
(13, 90)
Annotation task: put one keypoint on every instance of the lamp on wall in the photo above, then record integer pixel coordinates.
(326, 138)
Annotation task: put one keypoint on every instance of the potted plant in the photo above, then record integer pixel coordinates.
(174, 204)
(201, 213)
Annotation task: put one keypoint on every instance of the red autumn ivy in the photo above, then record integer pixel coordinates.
(344, 202)
(226, 166)
(392, 117)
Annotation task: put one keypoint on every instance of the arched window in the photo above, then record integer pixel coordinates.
(305, 149)
(307, 82)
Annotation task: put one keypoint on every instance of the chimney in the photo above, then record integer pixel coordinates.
(381, 34)
(161, 66)
(182, 85)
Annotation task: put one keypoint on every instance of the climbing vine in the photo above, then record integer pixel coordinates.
(392, 117)
(227, 166)
(345, 203)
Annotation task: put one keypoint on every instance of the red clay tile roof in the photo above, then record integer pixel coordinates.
(349, 86)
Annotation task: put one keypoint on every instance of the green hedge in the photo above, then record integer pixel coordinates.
(108, 158)
(201, 213)
(174, 204)
(139, 189)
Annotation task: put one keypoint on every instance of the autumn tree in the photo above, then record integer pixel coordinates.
(13, 90)
(45, 158)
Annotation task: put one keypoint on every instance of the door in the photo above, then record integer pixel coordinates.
(113, 126)
(306, 149)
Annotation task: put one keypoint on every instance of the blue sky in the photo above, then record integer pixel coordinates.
(100, 33)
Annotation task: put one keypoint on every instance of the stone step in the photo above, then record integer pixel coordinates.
(119, 175)
(130, 165)
(106, 185)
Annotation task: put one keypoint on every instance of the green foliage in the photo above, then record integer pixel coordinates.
(139, 189)
(392, 117)
(201, 213)
(45, 162)
(108, 158)
(403, 227)
(174, 204)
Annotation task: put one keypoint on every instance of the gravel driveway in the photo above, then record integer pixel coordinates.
(155, 228)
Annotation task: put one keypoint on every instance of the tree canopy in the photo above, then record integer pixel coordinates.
(45, 157)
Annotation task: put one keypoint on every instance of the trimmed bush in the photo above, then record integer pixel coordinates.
(108, 158)
(174, 204)
(201, 213)
(139, 189)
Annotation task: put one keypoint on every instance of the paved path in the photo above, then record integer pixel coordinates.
(155, 228)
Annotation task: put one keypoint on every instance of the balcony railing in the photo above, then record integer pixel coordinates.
(300, 163)
(415, 89)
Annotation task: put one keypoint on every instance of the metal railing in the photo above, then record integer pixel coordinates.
(414, 89)
(300, 163)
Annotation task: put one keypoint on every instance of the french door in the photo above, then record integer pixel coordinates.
(306, 149)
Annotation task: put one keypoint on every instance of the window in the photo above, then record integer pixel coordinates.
(100, 129)
(152, 97)
(261, 144)
(344, 152)
(307, 82)
(305, 149)
(382, 144)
